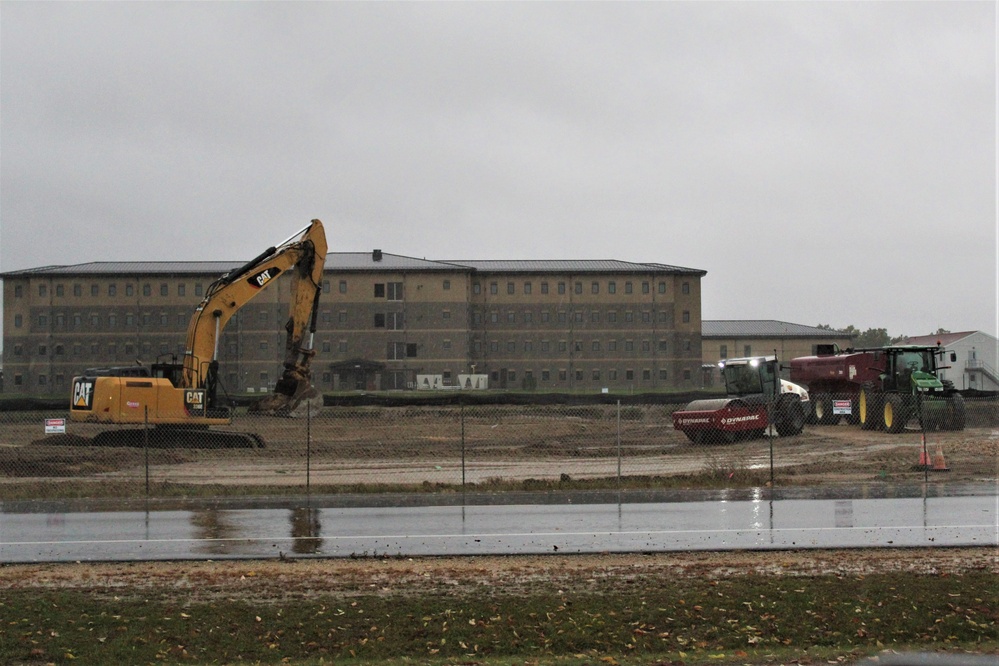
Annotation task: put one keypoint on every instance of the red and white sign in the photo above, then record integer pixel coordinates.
(55, 426)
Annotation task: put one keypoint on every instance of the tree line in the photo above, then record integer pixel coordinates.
(872, 337)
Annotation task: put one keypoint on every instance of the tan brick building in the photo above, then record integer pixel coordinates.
(383, 320)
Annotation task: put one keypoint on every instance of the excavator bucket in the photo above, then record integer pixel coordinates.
(293, 396)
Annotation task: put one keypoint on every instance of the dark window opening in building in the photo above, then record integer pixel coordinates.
(379, 290)
(394, 291)
(447, 285)
(686, 316)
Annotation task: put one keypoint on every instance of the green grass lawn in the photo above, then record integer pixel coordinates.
(614, 619)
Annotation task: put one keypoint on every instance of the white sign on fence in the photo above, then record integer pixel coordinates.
(842, 407)
(55, 426)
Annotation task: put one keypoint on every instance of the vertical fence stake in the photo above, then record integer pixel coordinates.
(619, 445)
(145, 446)
(308, 453)
(461, 411)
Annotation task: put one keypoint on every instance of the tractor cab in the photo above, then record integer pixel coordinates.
(911, 369)
(750, 378)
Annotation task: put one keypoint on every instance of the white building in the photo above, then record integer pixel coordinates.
(977, 358)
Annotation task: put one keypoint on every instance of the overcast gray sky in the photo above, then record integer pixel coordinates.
(827, 162)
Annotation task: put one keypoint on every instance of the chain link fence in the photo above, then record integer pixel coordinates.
(495, 448)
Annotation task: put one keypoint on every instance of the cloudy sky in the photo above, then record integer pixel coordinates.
(825, 162)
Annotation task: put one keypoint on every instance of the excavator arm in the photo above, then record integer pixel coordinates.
(303, 256)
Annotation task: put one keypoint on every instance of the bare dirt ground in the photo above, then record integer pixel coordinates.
(277, 581)
(439, 446)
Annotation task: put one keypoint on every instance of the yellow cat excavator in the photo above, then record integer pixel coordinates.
(180, 400)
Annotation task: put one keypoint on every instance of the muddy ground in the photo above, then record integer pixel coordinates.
(485, 446)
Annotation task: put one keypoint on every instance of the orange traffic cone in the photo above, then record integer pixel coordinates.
(938, 461)
(924, 457)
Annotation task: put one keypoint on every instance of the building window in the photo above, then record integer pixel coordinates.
(596, 375)
(263, 345)
(545, 316)
(628, 288)
(612, 317)
(379, 320)
(646, 346)
(595, 317)
(18, 291)
(494, 317)
(447, 285)
(343, 286)
(723, 351)
(545, 346)
(528, 317)
(77, 291)
(509, 288)
(129, 290)
(511, 346)
(411, 350)
(476, 288)
(686, 345)
(446, 314)
(646, 375)
(446, 345)
(511, 318)
(527, 287)
(595, 346)
(42, 350)
(544, 287)
(686, 316)
(112, 290)
(662, 287)
(685, 288)
(147, 290)
(182, 289)
(646, 317)
(562, 317)
(662, 375)
(528, 346)
(394, 321)
(327, 346)
(546, 375)
(663, 317)
(561, 287)
(612, 345)
(379, 290)
(577, 317)
(561, 375)
(563, 346)
(629, 317)
(611, 287)
(748, 350)
(629, 345)
(43, 290)
(686, 375)
(595, 288)
(663, 346)
(18, 321)
(43, 321)
(341, 317)
(197, 289)
(394, 291)
(342, 346)
(645, 287)
(612, 375)
(494, 346)
(577, 288)
(493, 288)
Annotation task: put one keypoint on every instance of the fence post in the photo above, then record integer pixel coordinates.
(619, 444)
(308, 452)
(145, 446)
(461, 407)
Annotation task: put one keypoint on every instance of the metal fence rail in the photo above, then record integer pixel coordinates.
(495, 448)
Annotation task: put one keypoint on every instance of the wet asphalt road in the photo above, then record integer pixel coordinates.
(331, 527)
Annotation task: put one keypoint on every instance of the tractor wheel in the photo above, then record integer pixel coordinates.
(956, 415)
(790, 417)
(867, 410)
(824, 410)
(894, 414)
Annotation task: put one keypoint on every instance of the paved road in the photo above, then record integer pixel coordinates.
(309, 529)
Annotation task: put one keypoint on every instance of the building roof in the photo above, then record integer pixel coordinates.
(574, 266)
(763, 328)
(359, 261)
(944, 339)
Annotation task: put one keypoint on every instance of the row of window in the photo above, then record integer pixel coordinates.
(577, 287)
(578, 317)
(564, 346)
(612, 375)
(392, 291)
(112, 290)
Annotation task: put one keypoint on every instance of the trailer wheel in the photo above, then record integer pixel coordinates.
(956, 416)
(867, 410)
(824, 410)
(790, 417)
(894, 414)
